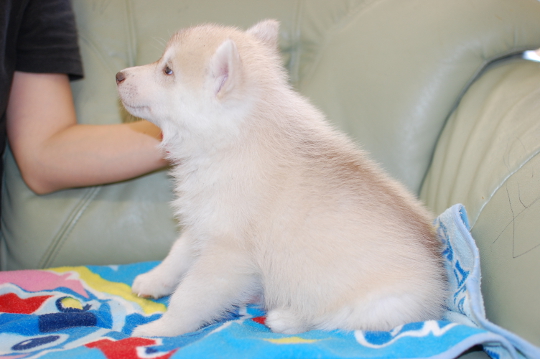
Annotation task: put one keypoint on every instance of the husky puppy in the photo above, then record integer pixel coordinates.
(273, 201)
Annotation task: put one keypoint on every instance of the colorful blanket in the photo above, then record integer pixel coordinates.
(90, 312)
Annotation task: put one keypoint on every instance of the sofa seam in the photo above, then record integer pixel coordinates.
(131, 43)
(503, 183)
(60, 239)
(294, 70)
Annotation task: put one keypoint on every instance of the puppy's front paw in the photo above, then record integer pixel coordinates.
(152, 285)
(153, 329)
(160, 328)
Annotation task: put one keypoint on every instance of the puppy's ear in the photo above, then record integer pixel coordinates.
(226, 69)
(267, 31)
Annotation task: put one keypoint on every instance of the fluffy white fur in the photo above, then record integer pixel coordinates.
(272, 200)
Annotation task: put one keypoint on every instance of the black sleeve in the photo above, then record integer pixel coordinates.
(47, 40)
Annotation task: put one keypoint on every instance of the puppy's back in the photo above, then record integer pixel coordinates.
(343, 236)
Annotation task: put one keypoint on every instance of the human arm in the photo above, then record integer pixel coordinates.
(53, 152)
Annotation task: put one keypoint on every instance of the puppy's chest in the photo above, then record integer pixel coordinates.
(210, 193)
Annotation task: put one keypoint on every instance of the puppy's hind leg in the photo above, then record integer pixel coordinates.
(285, 321)
(217, 281)
(164, 278)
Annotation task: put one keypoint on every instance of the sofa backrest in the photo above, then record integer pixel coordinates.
(386, 72)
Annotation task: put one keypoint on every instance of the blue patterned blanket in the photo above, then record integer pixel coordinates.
(90, 312)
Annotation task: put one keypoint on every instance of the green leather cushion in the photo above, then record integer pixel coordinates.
(387, 72)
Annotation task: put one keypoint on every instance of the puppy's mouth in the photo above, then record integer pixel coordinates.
(137, 108)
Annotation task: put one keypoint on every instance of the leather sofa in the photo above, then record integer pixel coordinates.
(436, 90)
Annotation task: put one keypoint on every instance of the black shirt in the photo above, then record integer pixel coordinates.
(36, 36)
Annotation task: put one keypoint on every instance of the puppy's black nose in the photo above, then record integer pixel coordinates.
(120, 77)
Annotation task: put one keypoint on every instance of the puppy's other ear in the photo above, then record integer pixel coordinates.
(225, 69)
(267, 31)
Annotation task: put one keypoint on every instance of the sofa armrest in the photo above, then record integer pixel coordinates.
(488, 159)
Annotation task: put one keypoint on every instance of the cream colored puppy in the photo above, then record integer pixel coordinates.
(272, 200)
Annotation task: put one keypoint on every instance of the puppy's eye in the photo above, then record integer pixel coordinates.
(167, 70)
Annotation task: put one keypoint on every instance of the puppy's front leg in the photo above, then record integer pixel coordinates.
(164, 278)
(216, 282)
